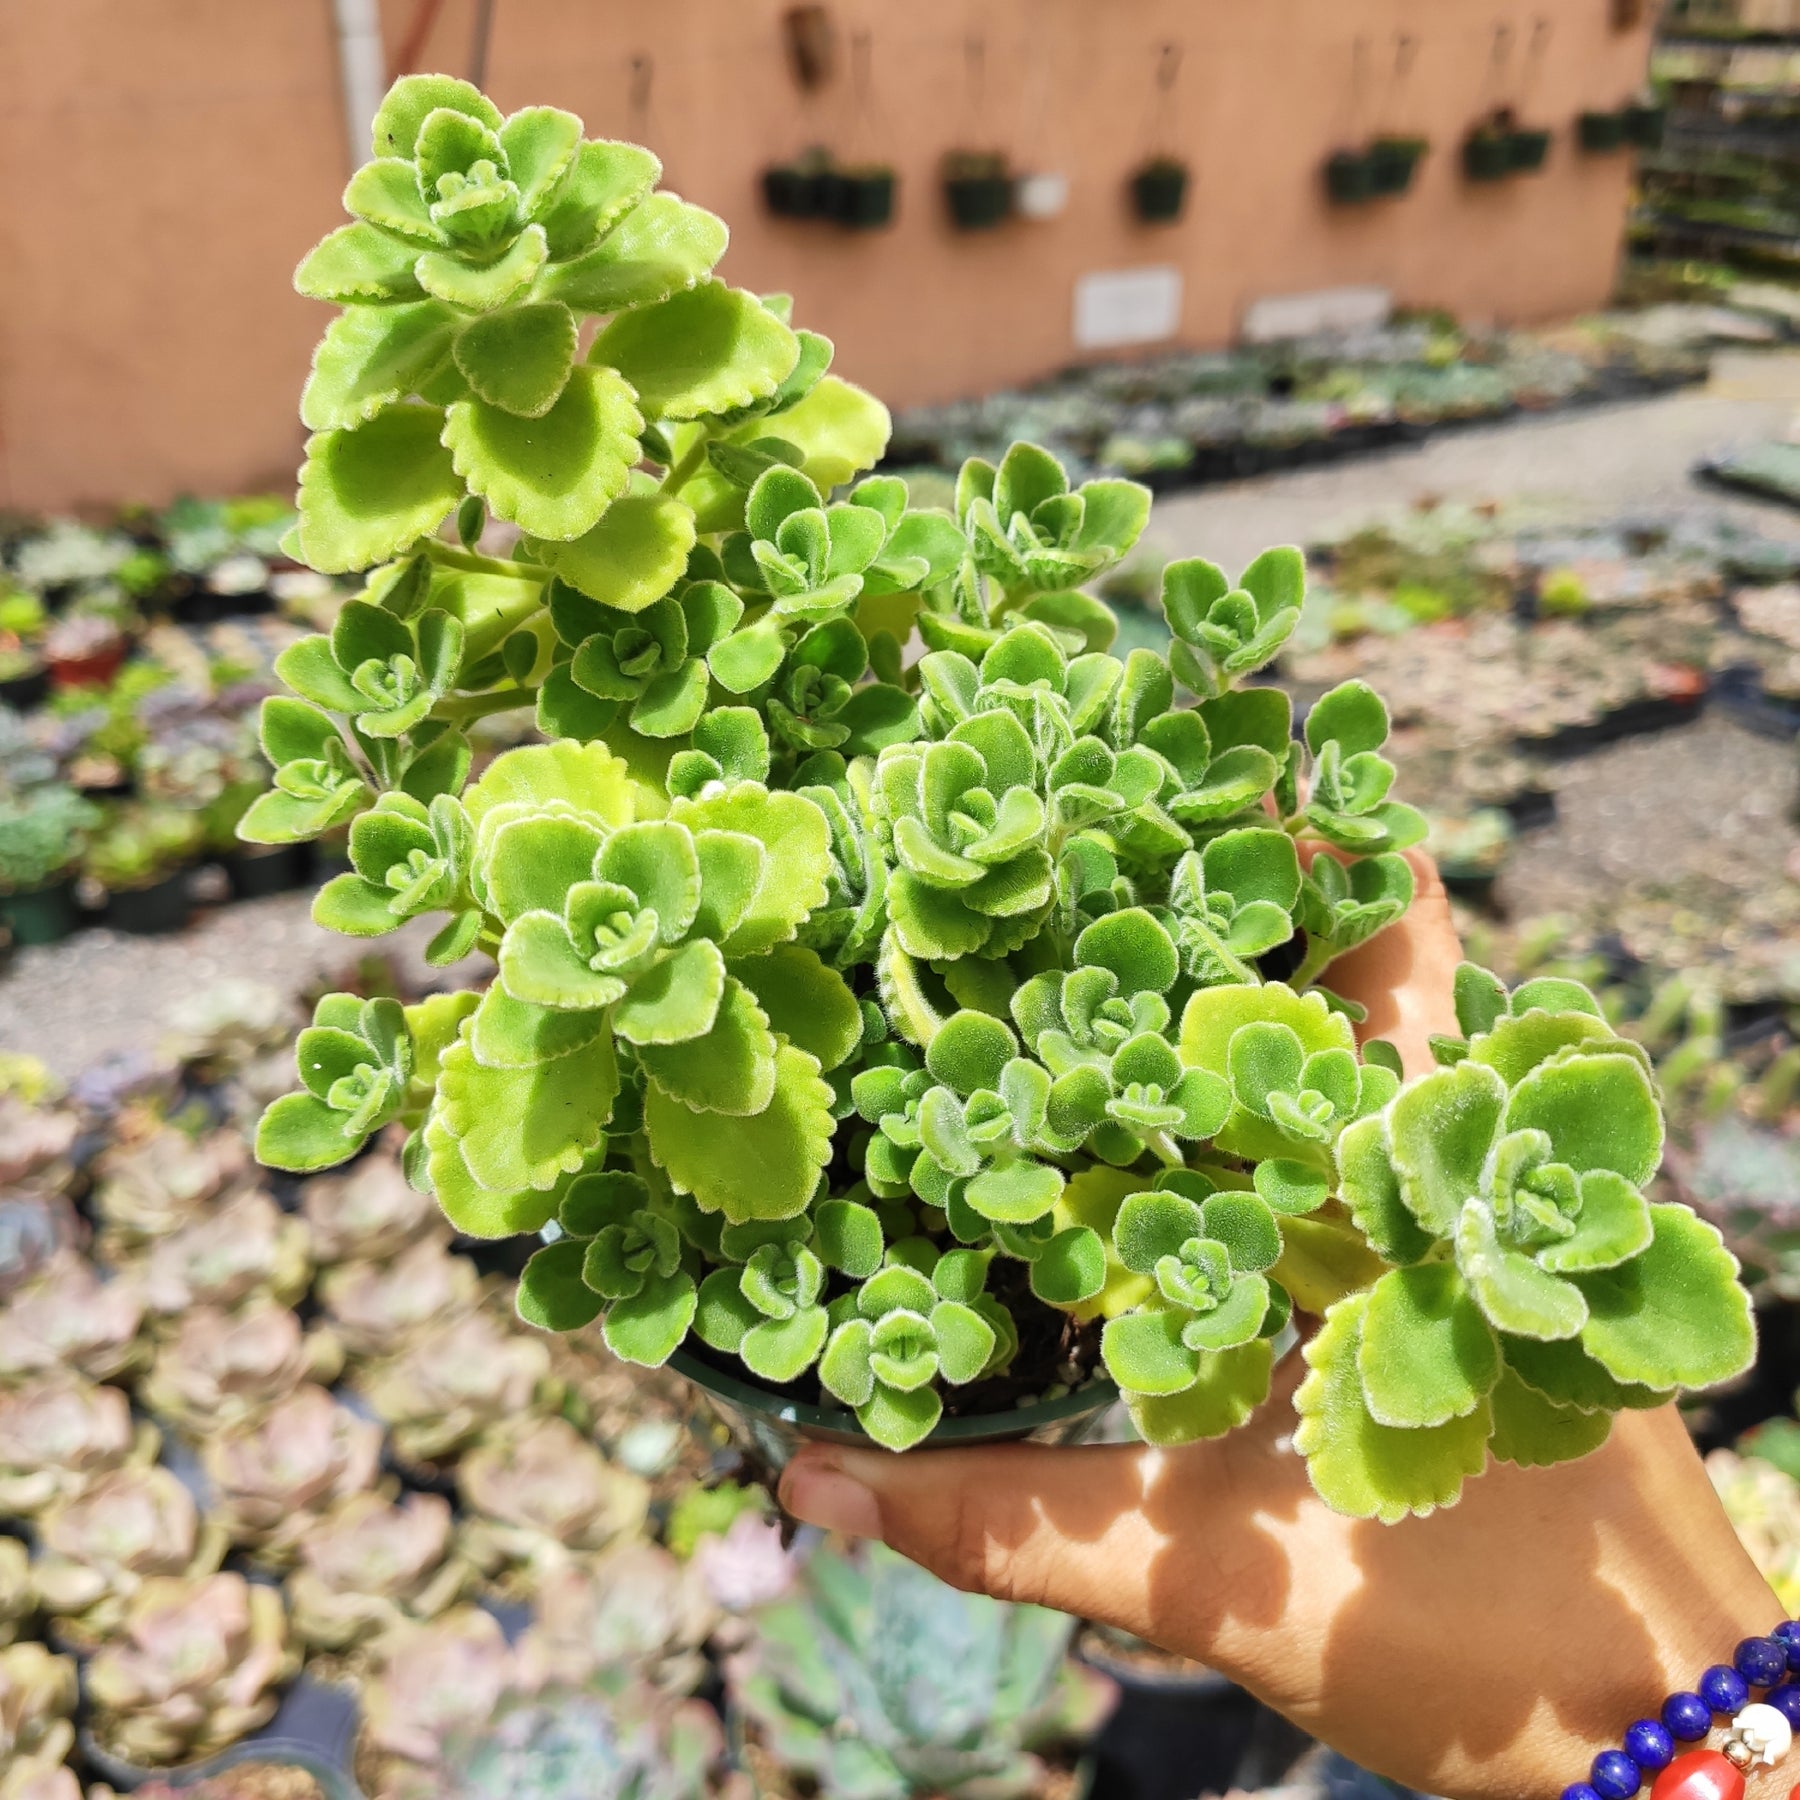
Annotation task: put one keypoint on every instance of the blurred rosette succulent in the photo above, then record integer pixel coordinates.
(273, 1475)
(96, 1550)
(245, 1245)
(33, 1139)
(375, 1307)
(18, 1594)
(536, 1492)
(453, 1382)
(37, 1701)
(195, 1665)
(371, 1564)
(149, 1185)
(221, 1369)
(431, 1679)
(67, 1317)
(58, 1435)
(367, 1213)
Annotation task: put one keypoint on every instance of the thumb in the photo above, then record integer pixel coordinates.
(1066, 1528)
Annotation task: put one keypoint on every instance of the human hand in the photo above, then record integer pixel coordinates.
(1489, 1650)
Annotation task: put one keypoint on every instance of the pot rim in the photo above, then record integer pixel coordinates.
(975, 1428)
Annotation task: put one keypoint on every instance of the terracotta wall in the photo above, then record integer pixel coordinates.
(169, 160)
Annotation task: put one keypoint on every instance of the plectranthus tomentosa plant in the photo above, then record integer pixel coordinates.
(875, 980)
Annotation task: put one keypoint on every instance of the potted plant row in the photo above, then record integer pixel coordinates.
(816, 187)
(1499, 148)
(978, 189)
(1382, 169)
(900, 1007)
(42, 834)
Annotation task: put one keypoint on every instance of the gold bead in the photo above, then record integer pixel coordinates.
(1738, 1755)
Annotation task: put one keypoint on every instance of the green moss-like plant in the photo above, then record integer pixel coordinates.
(876, 974)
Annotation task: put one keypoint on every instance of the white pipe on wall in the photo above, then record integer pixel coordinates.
(361, 69)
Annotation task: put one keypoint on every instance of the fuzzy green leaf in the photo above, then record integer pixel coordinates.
(792, 881)
(1144, 1353)
(1426, 1355)
(371, 357)
(1230, 1386)
(523, 1127)
(809, 1004)
(675, 1001)
(1360, 1466)
(659, 248)
(1534, 1432)
(1599, 1112)
(647, 1327)
(1440, 1130)
(706, 350)
(519, 360)
(633, 556)
(301, 1133)
(731, 1069)
(552, 1295)
(369, 491)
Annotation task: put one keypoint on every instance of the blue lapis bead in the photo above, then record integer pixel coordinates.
(1615, 1776)
(1788, 1634)
(1579, 1790)
(1723, 1689)
(1649, 1745)
(1687, 1716)
(1786, 1701)
(1761, 1661)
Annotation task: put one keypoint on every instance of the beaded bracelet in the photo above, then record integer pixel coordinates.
(1760, 1733)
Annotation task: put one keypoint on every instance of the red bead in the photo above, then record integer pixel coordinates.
(1699, 1775)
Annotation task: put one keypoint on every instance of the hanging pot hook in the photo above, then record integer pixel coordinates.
(1168, 66)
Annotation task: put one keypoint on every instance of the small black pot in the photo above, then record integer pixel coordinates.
(1644, 125)
(1600, 132)
(1526, 150)
(1174, 1733)
(863, 202)
(1159, 192)
(24, 692)
(1393, 162)
(1349, 178)
(256, 873)
(151, 911)
(43, 915)
(1487, 156)
(794, 193)
(978, 202)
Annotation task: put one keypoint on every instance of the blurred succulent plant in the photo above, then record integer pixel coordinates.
(709, 1510)
(371, 1564)
(152, 1185)
(37, 1699)
(245, 1246)
(368, 1212)
(879, 1681)
(96, 1550)
(627, 1742)
(33, 1138)
(747, 1566)
(272, 1476)
(1763, 1504)
(375, 1307)
(226, 1025)
(537, 1491)
(35, 1780)
(634, 1609)
(452, 1382)
(433, 1679)
(224, 1369)
(194, 1666)
(66, 1317)
(35, 1224)
(58, 1435)
(18, 1597)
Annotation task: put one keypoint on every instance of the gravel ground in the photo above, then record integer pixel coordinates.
(1698, 795)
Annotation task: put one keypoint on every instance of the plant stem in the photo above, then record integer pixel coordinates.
(684, 470)
(478, 706)
(1163, 1146)
(472, 562)
(1319, 952)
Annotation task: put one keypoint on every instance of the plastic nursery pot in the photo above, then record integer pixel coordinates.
(1159, 192)
(978, 201)
(1349, 178)
(1599, 132)
(1644, 125)
(771, 1428)
(1178, 1729)
(794, 193)
(162, 906)
(23, 692)
(1393, 161)
(87, 671)
(1526, 150)
(256, 873)
(1487, 156)
(863, 201)
(43, 915)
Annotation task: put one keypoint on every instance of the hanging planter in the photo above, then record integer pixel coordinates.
(863, 199)
(1159, 191)
(1526, 150)
(1487, 154)
(1393, 161)
(1644, 122)
(1600, 132)
(1349, 178)
(798, 190)
(978, 190)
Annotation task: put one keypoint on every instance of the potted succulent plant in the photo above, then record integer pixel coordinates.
(895, 1035)
(1159, 190)
(862, 197)
(799, 190)
(1487, 152)
(1644, 123)
(142, 857)
(1349, 177)
(1600, 132)
(978, 188)
(23, 677)
(83, 649)
(42, 834)
(1393, 161)
(1527, 148)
